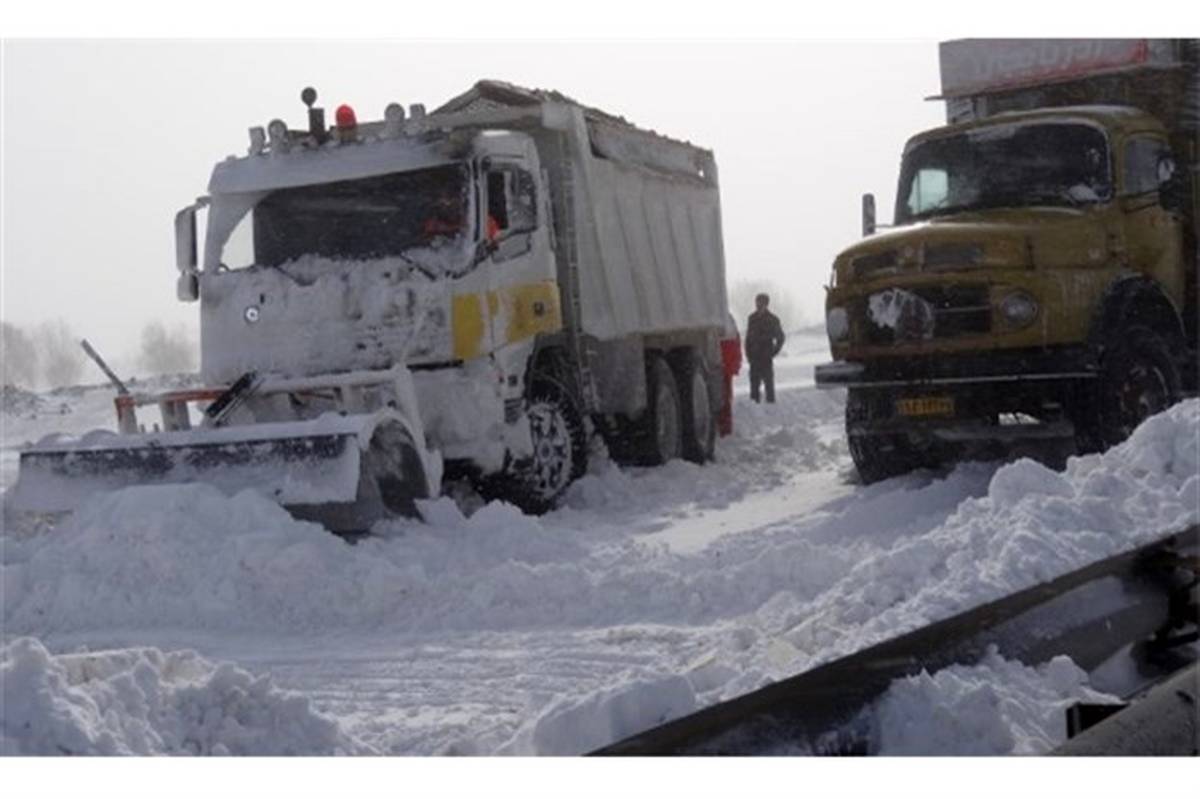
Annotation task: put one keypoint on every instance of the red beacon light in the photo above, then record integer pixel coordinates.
(347, 122)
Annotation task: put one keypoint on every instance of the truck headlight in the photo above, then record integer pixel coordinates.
(1018, 309)
(837, 324)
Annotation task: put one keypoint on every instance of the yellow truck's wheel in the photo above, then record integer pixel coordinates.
(876, 456)
(1138, 378)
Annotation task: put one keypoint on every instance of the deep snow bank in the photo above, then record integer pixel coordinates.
(995, 707)
(187, 557)
(1034, 524)
(148, 702)
(576, 726)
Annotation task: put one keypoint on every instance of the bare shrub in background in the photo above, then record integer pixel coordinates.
(783, 304)
(166, 351)
(59, 354)
(18, 357)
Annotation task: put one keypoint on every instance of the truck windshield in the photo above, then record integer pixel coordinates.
(422, 214)
(1006, 166)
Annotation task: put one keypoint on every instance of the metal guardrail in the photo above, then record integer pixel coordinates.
(813, 711)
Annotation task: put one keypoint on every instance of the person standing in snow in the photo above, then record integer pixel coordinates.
(764, 340)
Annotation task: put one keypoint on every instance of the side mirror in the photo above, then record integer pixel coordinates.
(868, 214)
(185, 239)
(187, 288)
(1172, 188)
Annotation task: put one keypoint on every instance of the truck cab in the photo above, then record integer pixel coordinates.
(430, 252)
(1038, 283)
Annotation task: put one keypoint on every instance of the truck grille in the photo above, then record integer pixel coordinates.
(864, 265)
(927, 312)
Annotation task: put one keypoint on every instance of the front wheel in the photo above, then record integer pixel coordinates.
(559, 453)
(876, 456)
(1138, 378)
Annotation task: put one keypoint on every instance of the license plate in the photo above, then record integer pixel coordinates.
(925, 406)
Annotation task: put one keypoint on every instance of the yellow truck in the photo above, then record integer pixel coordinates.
(1039, 283)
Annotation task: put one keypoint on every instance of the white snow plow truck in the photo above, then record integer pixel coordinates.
(473, 291)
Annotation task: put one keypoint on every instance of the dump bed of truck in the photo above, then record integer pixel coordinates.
(637, 214)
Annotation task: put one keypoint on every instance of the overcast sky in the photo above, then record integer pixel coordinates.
(104, 140)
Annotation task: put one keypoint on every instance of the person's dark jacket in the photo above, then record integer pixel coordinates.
(764, 336)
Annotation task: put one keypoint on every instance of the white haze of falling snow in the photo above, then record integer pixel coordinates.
(750, 608)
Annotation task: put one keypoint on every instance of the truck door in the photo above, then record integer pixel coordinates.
(509, 228)
(1152, 234)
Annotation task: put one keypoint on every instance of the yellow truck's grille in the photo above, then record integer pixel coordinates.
(924, 313)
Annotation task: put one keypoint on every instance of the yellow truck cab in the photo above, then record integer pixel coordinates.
(1039, 281)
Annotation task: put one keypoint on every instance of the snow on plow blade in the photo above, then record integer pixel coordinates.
(343, 471)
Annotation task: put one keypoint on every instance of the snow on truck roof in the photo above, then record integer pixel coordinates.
(490, 94)
(424, 142)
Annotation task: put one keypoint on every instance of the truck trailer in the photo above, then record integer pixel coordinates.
(1039, 283)
(473, 291)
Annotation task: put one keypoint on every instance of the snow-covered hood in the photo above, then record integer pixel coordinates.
(995, 239)
(315, 316)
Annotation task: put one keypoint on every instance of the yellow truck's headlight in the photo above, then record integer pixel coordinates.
(1018, 309)
(837, 324)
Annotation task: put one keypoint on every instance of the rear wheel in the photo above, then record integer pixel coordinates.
(659, 431)
(1138, 378)
(699, 423)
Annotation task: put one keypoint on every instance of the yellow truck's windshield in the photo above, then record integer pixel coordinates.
(1005, 166)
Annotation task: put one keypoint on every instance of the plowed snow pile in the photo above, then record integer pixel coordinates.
(147, 702)
(498, 631)
(996, 707)
(1034, 524)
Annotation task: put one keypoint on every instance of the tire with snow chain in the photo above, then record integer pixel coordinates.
(1138, 378)
(699, 422)
(556, 430)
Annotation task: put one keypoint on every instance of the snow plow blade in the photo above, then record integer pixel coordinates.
(343, 471)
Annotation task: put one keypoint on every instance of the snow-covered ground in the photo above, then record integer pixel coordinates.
(182, 620)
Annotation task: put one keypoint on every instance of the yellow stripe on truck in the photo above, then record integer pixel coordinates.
(531, 308)
(467, 321)
(524, 310)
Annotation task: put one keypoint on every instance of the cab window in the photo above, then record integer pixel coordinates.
(512, 200)
(929, 191)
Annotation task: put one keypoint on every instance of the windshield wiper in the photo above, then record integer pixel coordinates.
(424, 270)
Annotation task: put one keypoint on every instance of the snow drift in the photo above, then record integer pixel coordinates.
(149, 702)
(781, 579)
(1034, 524)
(995, 707)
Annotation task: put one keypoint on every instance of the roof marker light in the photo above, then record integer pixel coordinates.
(347, 124)
(393, 120)
(258, 140)
(278, 131)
